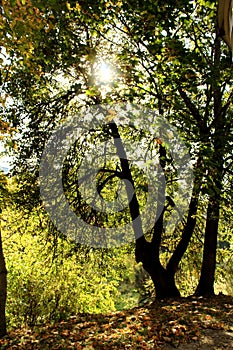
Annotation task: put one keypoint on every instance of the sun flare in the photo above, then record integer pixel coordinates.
(105, 73)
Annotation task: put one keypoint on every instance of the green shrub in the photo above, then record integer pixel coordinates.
(48, 281)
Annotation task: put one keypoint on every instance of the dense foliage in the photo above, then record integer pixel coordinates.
(50, 277)
(168, 57)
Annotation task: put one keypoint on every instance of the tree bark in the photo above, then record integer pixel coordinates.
(146, 252)
(215, 177)
(190, 224)
(163, 280)
(206, 283)
(3, 290)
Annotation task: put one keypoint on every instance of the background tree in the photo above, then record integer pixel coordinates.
(3, 271)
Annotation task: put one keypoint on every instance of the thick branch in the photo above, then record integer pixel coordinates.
(126, 175)
(192, 108)
(188, 230)
(158, 227)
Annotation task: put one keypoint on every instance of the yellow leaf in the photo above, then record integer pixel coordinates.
(78, 7)
(109, 117)
(68, 6)
(111, 111)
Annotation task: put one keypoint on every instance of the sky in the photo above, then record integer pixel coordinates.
(4, 160)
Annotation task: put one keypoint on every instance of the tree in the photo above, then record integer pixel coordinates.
(4, 196)
(225, 21)
(169, 59)
(208, 85)
(220, 150)
(3, 271)
(5, 130)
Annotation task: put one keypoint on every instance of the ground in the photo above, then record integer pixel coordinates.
(210, 339)
(187, 323)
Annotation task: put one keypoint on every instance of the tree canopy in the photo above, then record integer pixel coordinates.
(167, 57)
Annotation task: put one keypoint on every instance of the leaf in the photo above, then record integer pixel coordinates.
(68, 6)
(110, 116)
(167, 339)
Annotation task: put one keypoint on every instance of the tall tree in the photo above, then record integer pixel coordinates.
(168, 58)
(191, 73)
(3, 271)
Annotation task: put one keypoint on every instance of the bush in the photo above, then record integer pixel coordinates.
(48, 282)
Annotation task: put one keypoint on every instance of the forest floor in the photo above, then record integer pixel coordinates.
(187, 323)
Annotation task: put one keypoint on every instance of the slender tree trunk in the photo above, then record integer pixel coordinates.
(207, 277)
(187, 233)
(3, 290)
(206, 282)
(190, 224)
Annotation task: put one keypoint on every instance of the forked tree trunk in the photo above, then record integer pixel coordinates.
(3, 290)
(147, 253)
(164, 282)
(164, 278)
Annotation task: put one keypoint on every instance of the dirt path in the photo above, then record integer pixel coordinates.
(211, 339)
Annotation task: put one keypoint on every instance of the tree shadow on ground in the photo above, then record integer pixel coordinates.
(169, 324)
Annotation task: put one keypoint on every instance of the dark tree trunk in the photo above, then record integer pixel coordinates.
(3, 291)
(164, 282)
(187, 233)
(215, 178)
(189, 227)
(206, 282)
(164, 278)
(147, 253)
